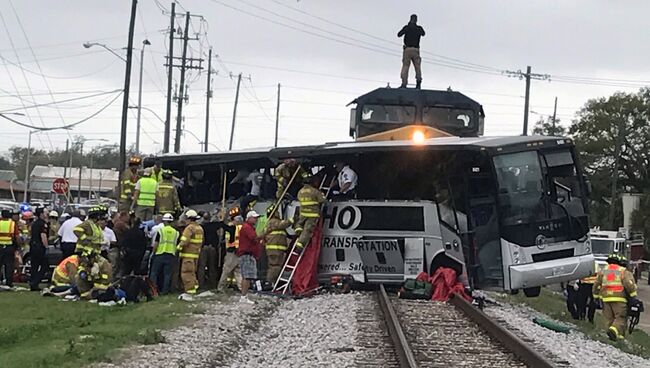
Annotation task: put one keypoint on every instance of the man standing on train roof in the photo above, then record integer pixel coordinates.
(412, 33)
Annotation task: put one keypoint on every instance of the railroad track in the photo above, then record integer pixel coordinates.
(434, 334)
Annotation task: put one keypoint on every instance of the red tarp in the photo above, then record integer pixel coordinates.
(445, 283)
(305, 279)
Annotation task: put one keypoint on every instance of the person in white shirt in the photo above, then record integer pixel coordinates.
(68, 238)
(346, 181)
(110, 240)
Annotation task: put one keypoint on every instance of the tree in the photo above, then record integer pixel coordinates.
(547, 127)
(612, 135)
(5, 164)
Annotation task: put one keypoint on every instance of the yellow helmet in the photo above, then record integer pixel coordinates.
(191, 214)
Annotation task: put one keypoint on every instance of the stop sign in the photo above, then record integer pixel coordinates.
(60, 186)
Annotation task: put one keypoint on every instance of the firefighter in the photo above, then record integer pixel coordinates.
(89, 235)
(284, 172)
(310, 199)
(275, 237)
(614, 286)
(65, 272)
(54, 226)
(94, 276)
(164, 249)
(189, 249)
(129, 178)
(586, 303)
(167, 198)
(144, 198)
(231, 261)
(25, 226)
(9, 238)
(157, 171)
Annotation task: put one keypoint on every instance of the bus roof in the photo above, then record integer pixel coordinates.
(262, 156)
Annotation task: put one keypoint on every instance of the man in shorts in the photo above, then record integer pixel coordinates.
(249, 252)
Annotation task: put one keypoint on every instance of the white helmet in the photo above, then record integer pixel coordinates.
(168, 217)
(54, 214)
(191, 214)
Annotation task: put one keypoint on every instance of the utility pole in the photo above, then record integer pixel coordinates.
(554, 114)
(208, 95)
(181, 87)
(277, 118)
(65, 167)
(169, 82)
(137, 133)
(29, 151)
(622, 131)
(234, 113)
(528, 76)
(127, 86)
(185, 64)
(81, 155)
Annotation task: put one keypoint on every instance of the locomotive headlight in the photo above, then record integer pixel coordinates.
(587, 246)
(418, 137)
(515, 257)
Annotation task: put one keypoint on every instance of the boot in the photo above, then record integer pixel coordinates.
(418, 84)
(403, 85)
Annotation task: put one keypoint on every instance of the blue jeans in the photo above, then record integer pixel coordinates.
(161, 267)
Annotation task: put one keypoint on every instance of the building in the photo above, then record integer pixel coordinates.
(94, 183)
(10, 187)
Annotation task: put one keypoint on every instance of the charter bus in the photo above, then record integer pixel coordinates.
(510, 213)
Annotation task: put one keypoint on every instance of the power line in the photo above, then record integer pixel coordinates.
(59, 77)
(62, 101)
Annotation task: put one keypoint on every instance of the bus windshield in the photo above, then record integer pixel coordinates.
(602, 246)
(540, 197)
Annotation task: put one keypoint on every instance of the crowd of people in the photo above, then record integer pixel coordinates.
(152, 244)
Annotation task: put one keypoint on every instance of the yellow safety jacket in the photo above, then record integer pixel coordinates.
(128, 185)
(99, 281)
(157, 177)
(310, 200)
(614, 285)
(191, 241)
(275, 234)
(167, 240)
(89, 237)
(235, 243)
(7, 232)
(147, 196)
(591, 279)
(167, 198)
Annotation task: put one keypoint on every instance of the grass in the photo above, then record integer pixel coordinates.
(554, 305)
(36, 331)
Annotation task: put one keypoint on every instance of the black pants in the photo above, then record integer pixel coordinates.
(38, 265)
(131, 263)
(67, 249)
(571, 301)
(586, 304)
(7, 261)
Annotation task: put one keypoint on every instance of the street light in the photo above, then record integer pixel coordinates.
(137, 131)
(91, 44)
(150, 110)
(29, 153)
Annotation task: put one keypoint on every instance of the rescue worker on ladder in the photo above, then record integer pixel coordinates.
(9, 239)
(284, 172)
(129, 178)
(144, 198)
(275, 237)
(89, 234)
(167, 198)
(310, 198)
(614, 286)
(230, 268)
(189, 249)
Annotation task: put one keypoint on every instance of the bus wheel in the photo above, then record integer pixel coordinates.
(533, 291)
(442, 260)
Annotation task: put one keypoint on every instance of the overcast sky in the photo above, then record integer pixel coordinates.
(323, 52)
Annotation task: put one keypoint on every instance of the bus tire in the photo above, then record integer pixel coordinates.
(533, 292)
(442, 260)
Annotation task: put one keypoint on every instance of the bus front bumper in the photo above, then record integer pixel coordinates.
(550, 272)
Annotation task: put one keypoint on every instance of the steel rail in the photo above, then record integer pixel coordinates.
(517, 346)
(404, 352)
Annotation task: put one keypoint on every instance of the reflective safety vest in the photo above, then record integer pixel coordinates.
(88, 244)
(168, 238)
(147, 195)
(235, 243)
(7, 231)
(276, 235)
(158, 178)
(310, 199)
(612, 289)
(191, 241)
(128, 185)
(166, 198)
(591, 279)
(61, 274)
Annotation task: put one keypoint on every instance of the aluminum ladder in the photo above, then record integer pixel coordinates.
(283, 282)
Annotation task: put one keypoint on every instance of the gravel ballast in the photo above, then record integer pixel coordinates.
(574, 349)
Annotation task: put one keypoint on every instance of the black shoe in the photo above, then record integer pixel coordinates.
(402, 86)
(34, 289)
(611, 334)
(418, 84)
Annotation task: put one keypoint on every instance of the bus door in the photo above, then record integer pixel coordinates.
(483, 233)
